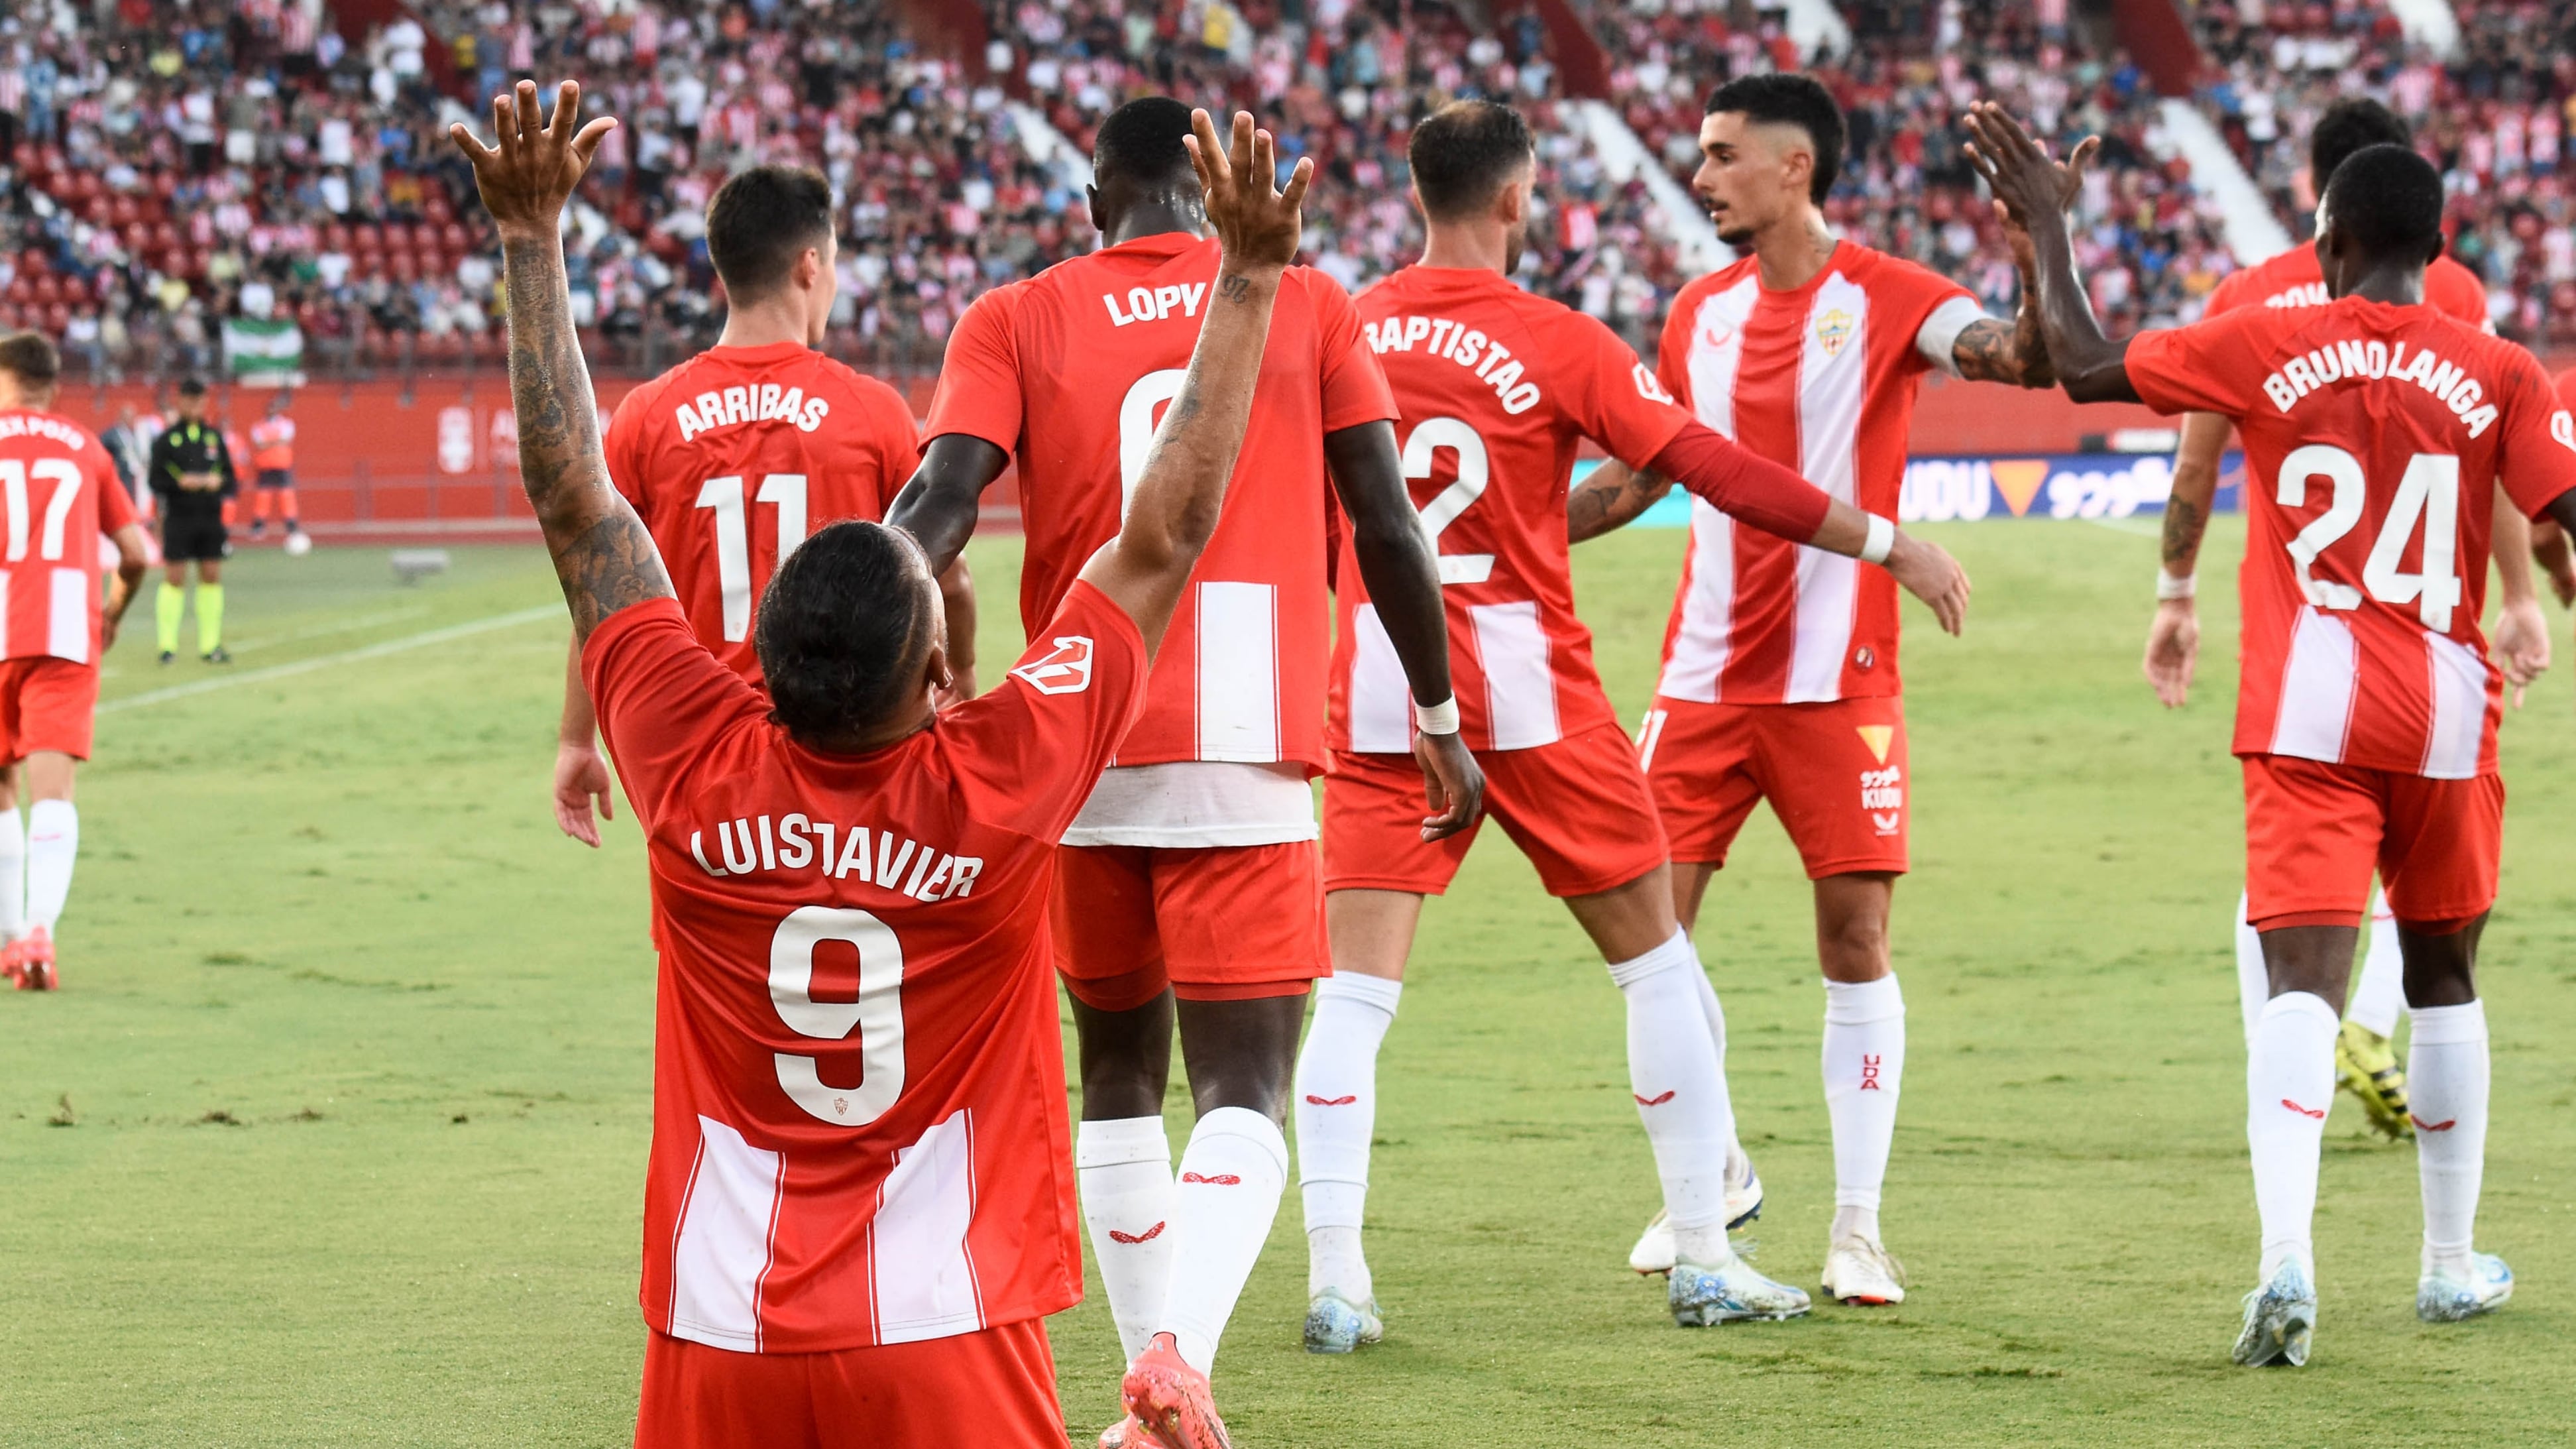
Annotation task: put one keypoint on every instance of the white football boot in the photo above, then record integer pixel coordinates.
(1654, 1251)
(2280, 1316)
(1335, 1324)
(2443, 1298)
(1731, 1292)
(1860, 1271)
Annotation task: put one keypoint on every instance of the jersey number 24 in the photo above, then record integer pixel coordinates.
(2428, 494)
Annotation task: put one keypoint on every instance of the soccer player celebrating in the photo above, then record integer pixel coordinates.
(857, 1212)
(1196, 876)
(272, 461)
(733, 456)
(62, 493)
(1498, 390)
(2364, 1063)
(193, 480)
(1779, 678)
(2376, 429)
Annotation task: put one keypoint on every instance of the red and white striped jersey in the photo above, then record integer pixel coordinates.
(60, 491)
(2374, 436)
(1819, 379)
(1070, 372)
(1498, 390)
(859, 1130)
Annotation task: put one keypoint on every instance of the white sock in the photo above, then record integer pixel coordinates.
(2253, 977)
(13, 875)
(2289, 1084)
(1864, 1067)
(53, 842)
(2446, 1077)
(2382, 992)
(1678, 1077)
(1124, 1167)
(1231, 1176)
(1336, 1095)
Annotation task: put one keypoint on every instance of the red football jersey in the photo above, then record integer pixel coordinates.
(737, 454)
(2293, 279)
(1820, 379)
(859, 1130)
(2567, 387)
(1498, 390)
(2374, 438)
(60, 491)
(1070, 372)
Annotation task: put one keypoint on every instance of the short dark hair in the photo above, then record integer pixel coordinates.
(1791, 100)
(2347, 126)
(759, 222)
(1464, 153)
(1141, 142)
(843, 630)
(192, 386)
(2389, 200)
(30, 357)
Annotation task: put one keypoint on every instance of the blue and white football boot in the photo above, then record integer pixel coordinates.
(2279, 1317)
(2445, 1298)
(1335, 1324)
(1732, 1292)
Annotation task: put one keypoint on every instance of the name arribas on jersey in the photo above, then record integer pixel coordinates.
(765, 403)
(798, 842)
(2356, 360)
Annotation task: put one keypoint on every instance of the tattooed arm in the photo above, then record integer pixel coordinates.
(603, 557)
(1611, 498)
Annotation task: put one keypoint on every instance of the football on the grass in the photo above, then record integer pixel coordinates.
(299, 544)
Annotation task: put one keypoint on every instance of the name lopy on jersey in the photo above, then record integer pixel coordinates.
(800, 842)
(732, 406)
(1153, 304)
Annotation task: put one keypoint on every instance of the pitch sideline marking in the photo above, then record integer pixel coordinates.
(402, 645)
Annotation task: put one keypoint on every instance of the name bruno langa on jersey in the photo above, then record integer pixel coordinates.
(2354, 360)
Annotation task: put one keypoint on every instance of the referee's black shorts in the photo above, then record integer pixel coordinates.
(187, 538)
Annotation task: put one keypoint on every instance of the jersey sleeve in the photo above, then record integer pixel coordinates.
(1027, 755)
(1619, 404)
(2536, 459)
(2456, 292)
(2567, 388)
(979, 379)
(663, 700)
(1354, 386)
(2209, 366)
(1914, 295)
(1672, 367)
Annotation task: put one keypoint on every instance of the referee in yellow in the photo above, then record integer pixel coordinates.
(192, 475)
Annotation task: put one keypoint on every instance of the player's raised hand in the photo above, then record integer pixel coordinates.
(2018, 169)
(1255, 221)
(2173, 648)
(528, 176)
(2521, 644)
(1929, 573)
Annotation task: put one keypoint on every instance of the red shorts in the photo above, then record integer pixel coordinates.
(1002, 1380)
(2314, 831)
(1834, 773)
(1218, 923)
(46, 704)
(1577, 808)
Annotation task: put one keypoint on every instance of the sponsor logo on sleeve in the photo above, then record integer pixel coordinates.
(1066, 669)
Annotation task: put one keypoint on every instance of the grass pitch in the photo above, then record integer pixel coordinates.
(336, 1136)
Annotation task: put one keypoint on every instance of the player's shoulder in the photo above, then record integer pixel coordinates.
(2567, 387)
(2456, 290)
(1884, 273)
(1709, 284)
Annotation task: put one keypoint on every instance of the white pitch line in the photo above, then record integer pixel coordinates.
(402, 645)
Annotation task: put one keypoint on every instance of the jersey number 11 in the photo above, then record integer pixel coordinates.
(733, 538)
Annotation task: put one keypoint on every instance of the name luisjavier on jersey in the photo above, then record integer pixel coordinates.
(2355, 360)
(797, 842)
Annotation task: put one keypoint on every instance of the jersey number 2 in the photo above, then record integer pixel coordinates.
(733, 538)
(877, 1015)
(2428, 494)
(66, 478)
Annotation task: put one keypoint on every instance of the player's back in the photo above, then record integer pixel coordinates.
(1070, 372)
(2294, 278)
(735, 456)
(59, 490)
(1497, 391)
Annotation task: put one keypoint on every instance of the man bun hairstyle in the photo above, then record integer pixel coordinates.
(1141, 143)
(761, 221)
(2347, 126)
(1791, 100)
(843, 630)
(1464, 154)
(2389, 200)
(30, 357)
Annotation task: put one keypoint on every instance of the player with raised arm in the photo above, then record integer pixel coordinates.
(734, 456)
(857, 1210)
(2365, 1064)
(1779, 680)
(61, 493)
(2376, 429)
(1195, 891)
(1498, 390)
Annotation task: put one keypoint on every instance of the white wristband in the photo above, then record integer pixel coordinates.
(1882, 541)
(2169, 587)
(1437, 719)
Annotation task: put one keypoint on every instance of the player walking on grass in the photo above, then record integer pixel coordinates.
(193, 481)
(2365, 1064)
(1779, 680)
(857, 1211)
(59, 491)
(272, 461)
(1498, 390)
(733, 456)
(1196, 875)
(2376, 430)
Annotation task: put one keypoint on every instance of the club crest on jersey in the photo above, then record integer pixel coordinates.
(1065, 670)
(1833, 330)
